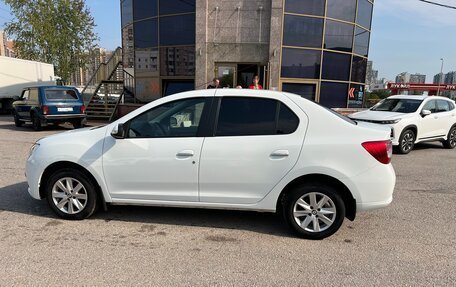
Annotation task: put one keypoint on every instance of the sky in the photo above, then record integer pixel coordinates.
(407, 35)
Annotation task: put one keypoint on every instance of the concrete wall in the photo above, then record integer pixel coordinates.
(235, 31)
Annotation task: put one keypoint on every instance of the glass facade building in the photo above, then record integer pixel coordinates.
(315, 48)
(325, 47)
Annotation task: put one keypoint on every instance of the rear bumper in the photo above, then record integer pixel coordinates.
(62, 117)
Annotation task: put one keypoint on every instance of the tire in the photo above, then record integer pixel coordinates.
(450, 143)
(309, 221)
(17, 122)
(77, 124)
(406, 142)
(36, 123)
(71, 194)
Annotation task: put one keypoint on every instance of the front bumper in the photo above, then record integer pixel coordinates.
(33, 172)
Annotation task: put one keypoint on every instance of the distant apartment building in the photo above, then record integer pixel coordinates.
(417, 79)
(403, 78)
(6, 46)
(83, 74)
(371, 76)
(439, 78)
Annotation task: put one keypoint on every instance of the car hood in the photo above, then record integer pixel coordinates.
(75, 134)
(376, 115)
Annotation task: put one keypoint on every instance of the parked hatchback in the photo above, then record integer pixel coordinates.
(414, 119)
(49, 105)
(224, 149)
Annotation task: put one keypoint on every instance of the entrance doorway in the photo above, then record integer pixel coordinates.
(238, 74)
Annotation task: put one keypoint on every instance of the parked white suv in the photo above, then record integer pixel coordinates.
(414, 119)
(225, 149)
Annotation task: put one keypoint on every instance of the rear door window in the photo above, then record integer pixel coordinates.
(443, 106)
(243, 116)
(61, 95)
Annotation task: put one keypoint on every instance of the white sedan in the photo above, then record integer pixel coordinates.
(414, 119)
(223, 149)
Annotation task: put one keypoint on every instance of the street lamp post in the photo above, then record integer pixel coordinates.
(440, 77)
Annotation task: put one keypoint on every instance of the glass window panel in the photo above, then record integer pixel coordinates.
(342, 9)
(359, 67)
(146, 61)
(171, 87)
(302, 31)
(310, 7)
(177, 30)
(307, 91)
(177, 61)
(127, 46)
(127, 12)
(146, 34)
(338, 36)
(361, 42)
(177, 6)
(144, 9)
(300, 63)
(364, 15)
(356, 96)
(173, 119)
(288, 121)
(333, 95)
(336, 66)
(242, 116)
(147, 89)
(443, 106)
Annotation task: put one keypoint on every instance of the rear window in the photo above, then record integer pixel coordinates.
(61, 94)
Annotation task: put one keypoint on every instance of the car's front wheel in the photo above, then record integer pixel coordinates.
(314, 211)
(406, 142)
(17, 122)
(71, 194)
(450, 143)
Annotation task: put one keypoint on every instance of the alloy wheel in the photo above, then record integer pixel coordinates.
(69, 195)
(452, 138)
(407, 141)
(314, 212)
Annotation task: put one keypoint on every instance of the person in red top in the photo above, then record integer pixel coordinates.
(256, 84)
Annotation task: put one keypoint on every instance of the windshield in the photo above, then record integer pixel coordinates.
(397, 105)
(61, 95)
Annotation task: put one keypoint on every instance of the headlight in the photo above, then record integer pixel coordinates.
(391, 122)
(33, 148)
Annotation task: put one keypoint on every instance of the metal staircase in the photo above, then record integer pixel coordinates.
(105, 89)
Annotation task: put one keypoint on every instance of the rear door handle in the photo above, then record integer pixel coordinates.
(185, 153)
(280, 153)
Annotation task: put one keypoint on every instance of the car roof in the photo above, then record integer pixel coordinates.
(51, 87)
(417, 97)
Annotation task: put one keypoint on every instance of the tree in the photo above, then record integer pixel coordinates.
(59, 32)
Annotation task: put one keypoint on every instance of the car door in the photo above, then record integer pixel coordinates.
(446, 117)
(429, 126)
(158, 159)
(21, 106)
(256, 142)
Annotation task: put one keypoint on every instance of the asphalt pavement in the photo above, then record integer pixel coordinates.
(410, 243)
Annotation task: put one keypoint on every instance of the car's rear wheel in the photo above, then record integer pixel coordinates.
(314, 211)
(450, 143)
(71, 194)
(77, 124)
(36, 123)
(406, 142)
(17, 122)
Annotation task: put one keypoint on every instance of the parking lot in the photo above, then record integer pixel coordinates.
(410, 243)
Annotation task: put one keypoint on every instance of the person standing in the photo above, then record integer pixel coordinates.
(256, 84)
(215, 84)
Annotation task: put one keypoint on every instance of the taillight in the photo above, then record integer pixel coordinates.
(380, 150)
(83, 108)
(45, 110)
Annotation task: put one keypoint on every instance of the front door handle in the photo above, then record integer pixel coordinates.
(280, 153)
(185, 153)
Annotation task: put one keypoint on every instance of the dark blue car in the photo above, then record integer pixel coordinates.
(49, 105)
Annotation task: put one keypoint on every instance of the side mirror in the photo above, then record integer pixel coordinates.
(118, 132)
(425, 113)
